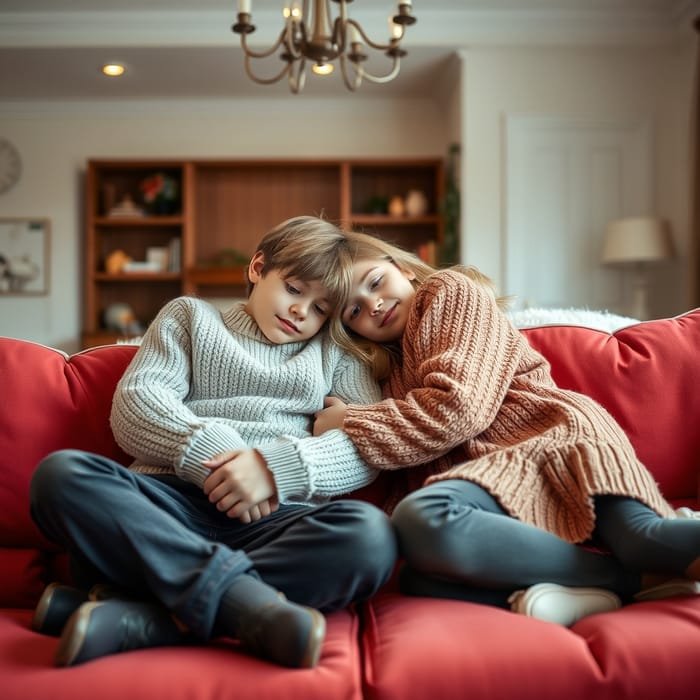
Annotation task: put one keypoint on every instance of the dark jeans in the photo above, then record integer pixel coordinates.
(459, 543)
(160, 536)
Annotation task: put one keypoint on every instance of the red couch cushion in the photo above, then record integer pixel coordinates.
(647, 375)
(209, 671)
(417, 648)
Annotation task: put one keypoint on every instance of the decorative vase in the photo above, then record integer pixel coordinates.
(416, 203)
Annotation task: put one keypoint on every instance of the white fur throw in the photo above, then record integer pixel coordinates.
(600, 320)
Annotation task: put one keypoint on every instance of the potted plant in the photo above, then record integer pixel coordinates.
(161, 193)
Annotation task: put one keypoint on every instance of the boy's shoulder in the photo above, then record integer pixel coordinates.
(190, 306)
(184, 312)
(189, 302)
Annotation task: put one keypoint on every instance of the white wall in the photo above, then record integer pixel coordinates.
(486, 85)
(55, 141)
(630, 84)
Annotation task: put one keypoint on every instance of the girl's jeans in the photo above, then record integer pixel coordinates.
(158, 536)
(459, 543)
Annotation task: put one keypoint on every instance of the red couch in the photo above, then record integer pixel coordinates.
(393, 647)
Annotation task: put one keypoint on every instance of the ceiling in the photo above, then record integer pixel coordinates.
(52, 49)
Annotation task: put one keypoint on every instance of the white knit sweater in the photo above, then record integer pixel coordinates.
(204, 381)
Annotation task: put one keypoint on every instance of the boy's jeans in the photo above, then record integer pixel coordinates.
(158, 536)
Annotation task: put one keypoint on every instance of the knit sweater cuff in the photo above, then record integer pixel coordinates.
(211, 440)
(291, 477)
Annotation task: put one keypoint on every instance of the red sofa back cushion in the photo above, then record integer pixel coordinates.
(648, 377)
(50, 401)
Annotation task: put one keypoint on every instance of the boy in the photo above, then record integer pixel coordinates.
(225, 507)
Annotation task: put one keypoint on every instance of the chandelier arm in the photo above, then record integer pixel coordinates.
(262, 54)
(294, 47)
(265, 81)
(382, 78)
(355, 83)
(296, 82)
(338, 36)
(393, 43)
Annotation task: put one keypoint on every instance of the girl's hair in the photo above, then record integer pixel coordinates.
(309, 248)
(381, 357)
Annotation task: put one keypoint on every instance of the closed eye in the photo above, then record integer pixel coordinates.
(375, 283)
(351, 313)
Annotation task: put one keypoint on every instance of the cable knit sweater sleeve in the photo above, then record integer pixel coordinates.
(150, 419)
(459, 355)
(328, 465)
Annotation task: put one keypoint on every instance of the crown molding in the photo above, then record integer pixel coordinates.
(449, 28)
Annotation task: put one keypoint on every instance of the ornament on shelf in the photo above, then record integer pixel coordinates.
(121, 318)
(126, 207)
(115, 261)
(396, 206)
(416, 203)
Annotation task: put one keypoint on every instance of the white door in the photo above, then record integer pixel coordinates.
(565, 180)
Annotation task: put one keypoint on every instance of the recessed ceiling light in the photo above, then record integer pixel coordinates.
(113, 69)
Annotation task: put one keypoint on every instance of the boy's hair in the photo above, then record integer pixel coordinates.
(381, 357)
(309, 248)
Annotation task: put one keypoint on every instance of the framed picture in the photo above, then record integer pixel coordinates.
(24, 256)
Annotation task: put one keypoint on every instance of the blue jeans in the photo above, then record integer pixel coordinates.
(160, 537)
(459, 543)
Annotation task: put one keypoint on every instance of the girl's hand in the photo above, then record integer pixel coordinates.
(241, 485)
(330, 417)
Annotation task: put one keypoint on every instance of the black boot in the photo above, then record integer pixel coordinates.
(111, 626)
(269, 626)
(57, 603)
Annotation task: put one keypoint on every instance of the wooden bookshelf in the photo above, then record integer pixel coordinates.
(225, 207)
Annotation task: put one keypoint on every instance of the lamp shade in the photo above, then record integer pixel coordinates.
(636, 240)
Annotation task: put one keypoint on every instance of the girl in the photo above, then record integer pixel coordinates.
(508, 473)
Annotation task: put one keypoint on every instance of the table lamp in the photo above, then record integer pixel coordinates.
(638, 241)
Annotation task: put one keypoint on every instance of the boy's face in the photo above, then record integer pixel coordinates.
(286, 310)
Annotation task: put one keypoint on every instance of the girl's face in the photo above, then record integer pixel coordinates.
(379, 301)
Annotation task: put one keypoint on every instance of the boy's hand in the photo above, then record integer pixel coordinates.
(330, 417)
(241, 485)
(260, 511)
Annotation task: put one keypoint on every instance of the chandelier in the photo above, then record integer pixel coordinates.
(310, 33)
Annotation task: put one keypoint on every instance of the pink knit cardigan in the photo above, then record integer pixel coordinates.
(473, 400)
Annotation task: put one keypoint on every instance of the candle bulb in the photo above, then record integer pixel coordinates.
(354, 35)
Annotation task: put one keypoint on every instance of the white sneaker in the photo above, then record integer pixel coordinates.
(561, 604)
(685, 512)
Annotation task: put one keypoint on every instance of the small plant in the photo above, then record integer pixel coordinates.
(161, 193)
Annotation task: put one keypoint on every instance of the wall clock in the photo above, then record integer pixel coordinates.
(10, 165)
